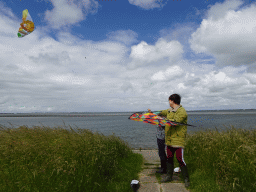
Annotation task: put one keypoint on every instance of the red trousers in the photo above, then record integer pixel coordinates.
(179, 155)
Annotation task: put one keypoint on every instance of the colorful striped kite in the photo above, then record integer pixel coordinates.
(154, 119)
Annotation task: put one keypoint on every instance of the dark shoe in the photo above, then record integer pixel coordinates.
(162, 171)
(163, 167)
(169, 173)
(167, 178)
(184, 171)
(187, 184)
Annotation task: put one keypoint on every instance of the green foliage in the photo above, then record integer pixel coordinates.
(57, 159)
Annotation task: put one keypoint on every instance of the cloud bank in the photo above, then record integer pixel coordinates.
(121, 73)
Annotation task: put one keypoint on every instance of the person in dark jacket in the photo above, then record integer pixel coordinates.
(160, 135)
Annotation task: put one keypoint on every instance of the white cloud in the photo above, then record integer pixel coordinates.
(70, 79)
(8, 20)
(228, 35)
(170, 73)
(124, 36)
(179, 32)
(219, 10)
(42, 74)
(251, 78)
(6, 11)
(67, 13)
(147, 4)
(143, 53)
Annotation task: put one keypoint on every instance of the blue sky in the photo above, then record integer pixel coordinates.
(138, 53)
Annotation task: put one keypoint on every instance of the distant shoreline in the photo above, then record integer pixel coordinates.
(134, 111)
(92, 114)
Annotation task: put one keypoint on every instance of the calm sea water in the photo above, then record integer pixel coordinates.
(137, 134)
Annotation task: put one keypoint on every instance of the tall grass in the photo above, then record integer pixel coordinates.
(222, 161)
(61, 159)
(57, 159)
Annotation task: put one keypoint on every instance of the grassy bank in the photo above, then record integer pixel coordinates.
(47, 159)
(222, 161)
(57, 159)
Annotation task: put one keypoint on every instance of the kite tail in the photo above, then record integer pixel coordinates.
(25, 14)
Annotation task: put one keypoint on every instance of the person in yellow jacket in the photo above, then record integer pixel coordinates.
(175, 137)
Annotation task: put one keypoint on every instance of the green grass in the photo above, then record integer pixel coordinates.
(222, 161)
(57, 159)
(61, 159)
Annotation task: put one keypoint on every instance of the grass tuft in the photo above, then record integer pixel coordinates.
(57, 159)
(222, 161)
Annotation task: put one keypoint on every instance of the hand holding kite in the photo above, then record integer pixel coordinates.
(154, 119)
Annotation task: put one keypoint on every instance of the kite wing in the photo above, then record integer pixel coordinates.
(151, 118)
(27, 25)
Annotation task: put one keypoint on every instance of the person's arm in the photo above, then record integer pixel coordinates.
(163, 113)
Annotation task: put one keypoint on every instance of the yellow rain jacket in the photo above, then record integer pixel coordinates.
(175, 135)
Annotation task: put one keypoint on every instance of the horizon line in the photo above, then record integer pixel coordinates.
(126, 111)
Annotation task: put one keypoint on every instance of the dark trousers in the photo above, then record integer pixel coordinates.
(161, 149)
